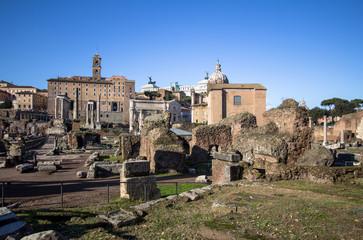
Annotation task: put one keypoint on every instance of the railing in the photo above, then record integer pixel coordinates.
(13, 191)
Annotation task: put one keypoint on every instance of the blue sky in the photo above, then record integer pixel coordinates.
(310, 50)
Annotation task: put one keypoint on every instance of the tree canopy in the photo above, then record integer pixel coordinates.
(338, 107)
(7, 104)
(151, 94)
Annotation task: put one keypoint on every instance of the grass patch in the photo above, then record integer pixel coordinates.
(168, 190)
(112, 158)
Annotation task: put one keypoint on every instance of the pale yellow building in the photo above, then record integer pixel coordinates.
(115, 92)
(30, 101)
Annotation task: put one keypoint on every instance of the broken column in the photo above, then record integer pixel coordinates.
(225, 167)
(136, 181)
(75, 106)
(56, 108)
(325, 132)
(98, 120)
(310, 123)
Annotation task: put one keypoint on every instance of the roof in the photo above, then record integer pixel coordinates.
(256, 86)
(16, 86)
(80, 81)
(180, 132)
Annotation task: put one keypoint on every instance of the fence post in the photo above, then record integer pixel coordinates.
(108, 194)
(61, 194)
(2, 195)
(176, 188)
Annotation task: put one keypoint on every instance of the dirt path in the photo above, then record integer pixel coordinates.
(39, 190)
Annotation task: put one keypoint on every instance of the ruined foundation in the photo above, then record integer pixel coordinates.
(136, 183)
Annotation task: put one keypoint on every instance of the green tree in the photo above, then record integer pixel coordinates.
(343, 107)
(330, 102)
(169, 97)
(187, 100)
(358, 103)
(7, 104)
(151, 94)
(317, 113)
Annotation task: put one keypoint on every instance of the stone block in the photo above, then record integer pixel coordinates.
(47, 168)
(135, 168)
(202, 179)
(232, 172)
(26, 167)
(50, 234)
(139, 188)
(81, 174)
(230, 157)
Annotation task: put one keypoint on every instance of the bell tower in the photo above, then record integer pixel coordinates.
(96, 67)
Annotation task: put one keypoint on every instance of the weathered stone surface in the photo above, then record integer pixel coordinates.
(139, 188)
(220, 207)
(17, 150)
(232, 172)
(81, 174)
(319, 156)
(190, 195)
(104, 169)
(239, 123)
(230, 157)
(251, 174)
(207, 138)
(266, 144)
(92, 158)
(224, 171)
(202, 179)
(163, 148)
(129, 145)
(288, 116)
(46, 235)
(25, 167)
(117, 152)
(47, 168)
(118, 219)
(135, 168)
(3, 164)
(321, 174)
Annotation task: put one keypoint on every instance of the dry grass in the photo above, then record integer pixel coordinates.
(280, 210)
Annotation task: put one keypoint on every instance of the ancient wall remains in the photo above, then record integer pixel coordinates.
(206, 139)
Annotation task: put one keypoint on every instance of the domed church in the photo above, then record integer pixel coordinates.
(218, 77)
(224, 99)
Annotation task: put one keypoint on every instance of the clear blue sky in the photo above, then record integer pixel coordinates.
(310, 50)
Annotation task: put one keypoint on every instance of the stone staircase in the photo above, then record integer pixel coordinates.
(11, 226)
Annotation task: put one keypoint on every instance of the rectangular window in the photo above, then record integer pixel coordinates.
(237, 100)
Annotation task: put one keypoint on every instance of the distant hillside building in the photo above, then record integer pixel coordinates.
(32, 98)
(30, 101)
(114, 92)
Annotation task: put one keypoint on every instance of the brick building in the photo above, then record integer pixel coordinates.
(115, 93)
(223, 99)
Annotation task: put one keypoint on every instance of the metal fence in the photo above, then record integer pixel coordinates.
(69, 193)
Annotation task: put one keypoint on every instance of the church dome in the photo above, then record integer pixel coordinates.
(218, 76)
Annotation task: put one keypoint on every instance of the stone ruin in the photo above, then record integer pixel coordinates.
(129, 146)
(98, 168)
(136, 181)
(210, 138)
(164, 149)
(82, 139)
(226, 167)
